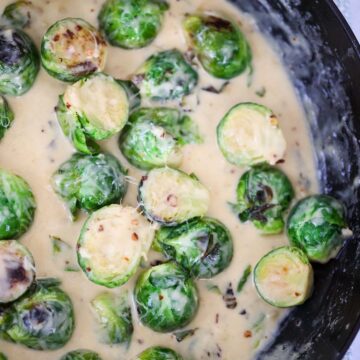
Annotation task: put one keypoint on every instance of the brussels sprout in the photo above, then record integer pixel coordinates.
(166, 76)
(112, 243)
(131, 24)
(94, 108)
(170, 196)
(6, 116)
(17, 205)
(250, 134)
(203, 246)
(17, 14)
(81, 355)
(90, 182)
(166, 298)
(71, 49)
(17, 270)
(19, 61)
(315, 225)
(284, 277)
(43, 319)
(132, 92)
(264, 193)
(113, 312)
(219, 44)
(2, 357)
(159, 353)
(153, 137)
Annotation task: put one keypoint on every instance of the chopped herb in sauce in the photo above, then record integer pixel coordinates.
(244, 278)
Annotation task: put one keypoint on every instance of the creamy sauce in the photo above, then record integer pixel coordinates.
(34, 148)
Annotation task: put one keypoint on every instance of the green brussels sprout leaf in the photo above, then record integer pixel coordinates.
(6, 116)
(18, 14)
(63, 254)
(244, 278)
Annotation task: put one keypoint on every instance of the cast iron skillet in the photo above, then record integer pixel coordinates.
(323, 60)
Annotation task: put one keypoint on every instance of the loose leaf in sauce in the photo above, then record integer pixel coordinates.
(18, 14)
(214, 90)
(244, 278)
(213, 288)
(63, 254)
(113, 314)
(183, 334)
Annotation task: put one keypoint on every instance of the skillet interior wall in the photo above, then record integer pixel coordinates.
(323, 59)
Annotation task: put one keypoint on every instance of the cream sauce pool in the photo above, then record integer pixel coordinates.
(34, 148)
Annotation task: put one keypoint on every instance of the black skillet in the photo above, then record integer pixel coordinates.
(322, 56)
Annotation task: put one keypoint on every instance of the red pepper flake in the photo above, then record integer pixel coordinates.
(134, 236)
(68, 105)
(247, 334)
(144, 178)
(92, 10)
(78, 27)
(88, 269)
(172, 200)
(56, 37)
(78, 247)
(101, 228)
(297, 294)
(70, 33)
(161, 297)
(135, 222)
(216, 318)
(281, 161)
(126, 258)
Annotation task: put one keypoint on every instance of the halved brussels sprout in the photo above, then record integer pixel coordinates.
(90, 182)
(170, 196)
(203, 246)
(17, 205)
(6, 116)
(17, 14)
(112, 243)
(43, 319)
(153, 137)
(284, 277)
(159, 353)
(113, 313)
(315, 225)
(92, 109)
(219, 44)
(132, 24)
(250, 134)
(264, 193)
(17, 270)
(81, 355)
(166, 76)
(71, 49)
(19, 61)
(166, 298)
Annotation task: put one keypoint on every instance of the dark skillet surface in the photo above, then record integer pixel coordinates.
(323, 59)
